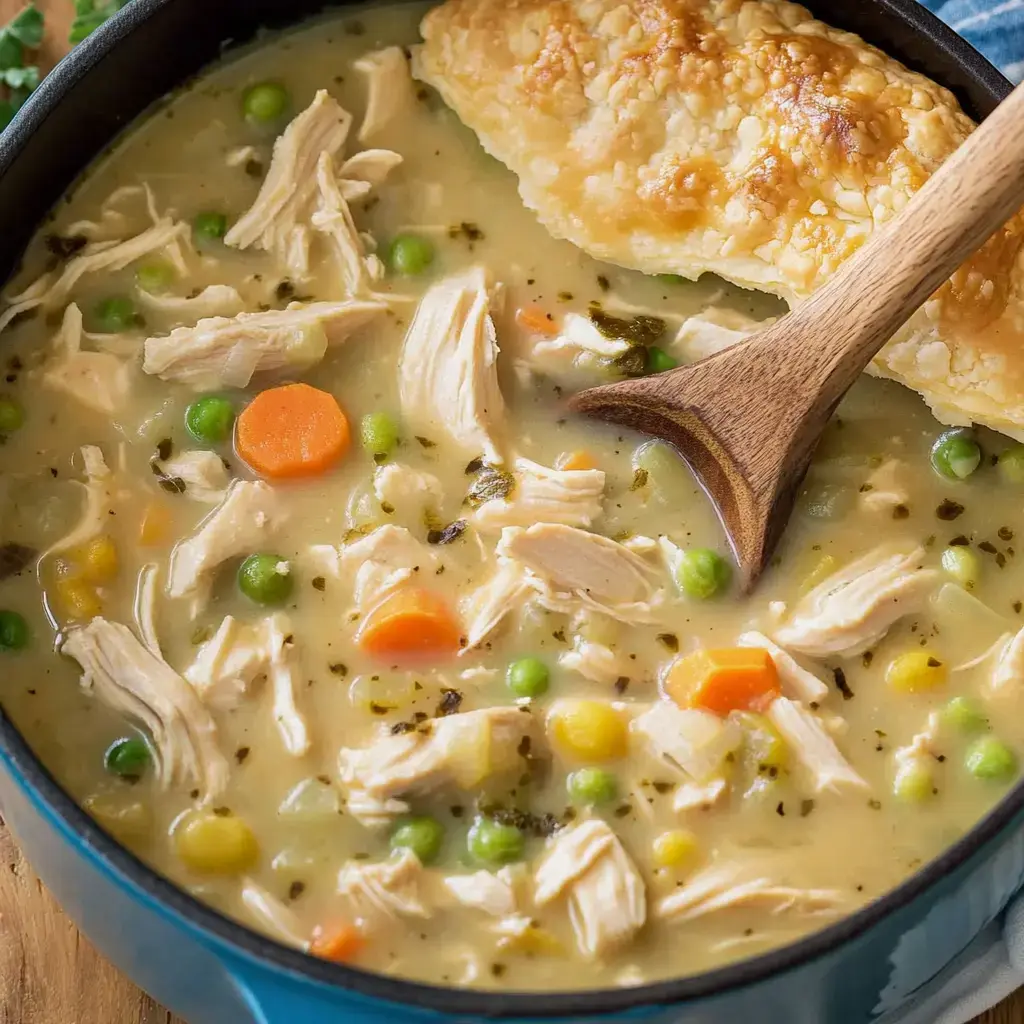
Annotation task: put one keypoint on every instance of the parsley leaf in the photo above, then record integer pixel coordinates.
(90, 14)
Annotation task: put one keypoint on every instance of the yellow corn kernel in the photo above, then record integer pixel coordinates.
(219, 844)
(674, 848)
(97, 559)
(821, 570)
(588, 730)
(155, 525)
(915, 671)
(580, 459)
(122, 818)
(78, 599)
(532, 940)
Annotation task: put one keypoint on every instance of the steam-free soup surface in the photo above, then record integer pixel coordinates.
(480, 714)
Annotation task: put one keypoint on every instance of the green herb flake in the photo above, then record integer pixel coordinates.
(638, 330)
(490, 483)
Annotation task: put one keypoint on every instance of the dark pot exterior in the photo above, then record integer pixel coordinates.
(213, 971)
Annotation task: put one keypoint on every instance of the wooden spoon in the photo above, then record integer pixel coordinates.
(747, 419)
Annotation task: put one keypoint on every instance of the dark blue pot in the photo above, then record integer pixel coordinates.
(212, 970)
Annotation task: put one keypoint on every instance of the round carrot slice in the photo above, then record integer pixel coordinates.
(292, 431)
(409, 623)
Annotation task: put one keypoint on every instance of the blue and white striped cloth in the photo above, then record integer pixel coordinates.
(995, 27)
(993, 965)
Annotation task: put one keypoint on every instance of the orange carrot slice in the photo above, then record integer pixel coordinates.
(292, 431)
(409, 623)
(339, 943)
(536, 321)
(724, 680)
(576, 460)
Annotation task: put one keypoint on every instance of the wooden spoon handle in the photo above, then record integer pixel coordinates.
(841, 327)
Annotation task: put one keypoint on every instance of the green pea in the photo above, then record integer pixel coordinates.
(12, 415)
(261, 579)
(155, 277)
(14, 632)
(989, 758)
(592, 786)
(491, 843)
(955, 454)
(422, 835)
(702, 573)
(265, 102)
(1011, 464)
(209, 419)
(410, 255)
(379, 433)
(527, 677)
(964, 715)
(128, 757)
(658, 360)
(210, 225)
(962, 564)
(116, 314)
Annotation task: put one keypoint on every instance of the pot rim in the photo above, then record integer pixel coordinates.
(238, 939)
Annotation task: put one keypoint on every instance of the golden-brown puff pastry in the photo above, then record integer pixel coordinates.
(739, 137)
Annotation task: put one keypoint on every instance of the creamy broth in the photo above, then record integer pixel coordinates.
(871, 484)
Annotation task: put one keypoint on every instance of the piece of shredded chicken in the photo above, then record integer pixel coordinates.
(461, 749)
(735, 883)
(812, 746)
(380, 561)
(797, 682)
(100, 381)
(854, 608)
(389, 89)
(213, 300)
(448, 371)
(227, 351)
(541, 495)
(690, 740)
(1008, 671)
(101, 496)
(242, 523)
(885, 488)
(403, 487)
(596, 662)
(271, 915)
(332, 218)
(383, 890)
(505, 591)
(202, 472)
(578, 348)
(607, 900)
(130, 679)
(277, 220)
(493, 892)
(692, 796)
(712, 331)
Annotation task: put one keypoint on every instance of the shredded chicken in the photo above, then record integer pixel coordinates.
(596, 662)
(387, 889)
(691, 796)
(1008, 672)
(366, 169)
(98, 380)
(333, 219)
(812, 746)
(921, 754)
(492, 892)
(796, 681)
(578, 346)
(884, 489)
(213, 300)
(542, 495)
(693, 741)
(381, 561)
(739, 884)
(448, 373)
(202, 472)
(100, 497)
(485, 608)
(389, 89)
(52, 292)
(568, 568)
(399, 485)
(243, 522)
(460, 749)
(607, 900)
(712, 331)
(226, 352)
(145, 607)
(133, 681)
(853, 609)
(276, 220)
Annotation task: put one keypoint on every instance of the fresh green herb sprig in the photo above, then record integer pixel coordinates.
(23, 32)
(90, 14)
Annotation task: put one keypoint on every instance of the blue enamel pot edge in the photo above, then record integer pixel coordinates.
(214, 971)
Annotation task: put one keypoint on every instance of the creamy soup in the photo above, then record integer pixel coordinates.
(318, 599)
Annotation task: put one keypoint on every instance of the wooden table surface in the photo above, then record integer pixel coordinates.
(49, 974)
